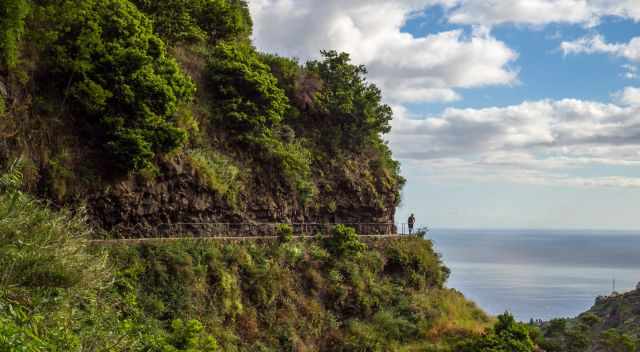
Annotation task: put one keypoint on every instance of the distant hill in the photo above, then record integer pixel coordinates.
(611, 325)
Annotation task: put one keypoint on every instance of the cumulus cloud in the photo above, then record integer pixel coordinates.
(540, 12)
(408, 68)
(539, 142)
(598, 45)
(628, 96)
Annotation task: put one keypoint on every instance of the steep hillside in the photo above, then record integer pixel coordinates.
(60, 293)
(153, 112)
(611, 325)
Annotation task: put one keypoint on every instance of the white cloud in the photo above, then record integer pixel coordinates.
(537, 142)
(628, 96)
(540, 12)
(597, 45)
(631, 71)
(407, 68)
(531, 12)
(540, 142)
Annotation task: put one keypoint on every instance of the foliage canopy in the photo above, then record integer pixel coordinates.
(12, 17)
(119, 79)
(199, 20)
(351, 108)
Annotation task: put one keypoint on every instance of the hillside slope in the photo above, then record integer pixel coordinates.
(60, 293)
(611, 325)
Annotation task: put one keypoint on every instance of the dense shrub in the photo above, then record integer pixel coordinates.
(506, 336)
(122, 85)
(188, 336)
(351, 109)
(284, 233)
(39, 248)
(12, 17)
(217, 172)
(198, 20)
(250, 108)
(250, 101)
(590, 319)
(418, 266)
(615, 341)
(344, 242)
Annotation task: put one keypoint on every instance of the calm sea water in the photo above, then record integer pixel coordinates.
(538, 273)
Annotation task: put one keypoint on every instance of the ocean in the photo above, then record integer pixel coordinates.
(539, 274)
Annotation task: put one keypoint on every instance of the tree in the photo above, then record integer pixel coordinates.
(199, 20)
(347, 104)
(12, 16)
(344, 241)
(250, 103)
(124, 88)
(506, 336)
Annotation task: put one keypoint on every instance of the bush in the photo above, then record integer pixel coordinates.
(12, 16)
(189, 336)
(285, 233)
(217, 172)
(250, 108)
(124, 88)
(616, 341)
(590, 319)
(199, 20)
(344, 241)
(419, 266)
(293, 162)
(39, 248)
(351, 108)
(50, 281)
(506, 336)
(250, 101)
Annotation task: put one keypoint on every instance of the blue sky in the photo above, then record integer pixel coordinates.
(508, 113)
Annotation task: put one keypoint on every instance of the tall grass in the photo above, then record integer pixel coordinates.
(217, 172)
(41, 248)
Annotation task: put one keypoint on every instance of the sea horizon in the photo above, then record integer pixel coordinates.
(538, 274)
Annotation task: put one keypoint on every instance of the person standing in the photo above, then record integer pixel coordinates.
(411, 222)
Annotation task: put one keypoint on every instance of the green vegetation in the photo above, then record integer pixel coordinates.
(610, 325)
(351, 108)
(59, 294)
(106, 99)
(251, 103)
(12, 17)
(126, 85)
(343, 242)
(506, 336)
(285, 233)
(118, 77)
(217, 172)
(198, 20)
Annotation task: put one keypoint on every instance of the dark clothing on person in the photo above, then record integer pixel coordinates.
(411, 221)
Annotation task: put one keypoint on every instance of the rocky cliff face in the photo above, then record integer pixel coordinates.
(294, 142)
(618, 311)
(139, 206)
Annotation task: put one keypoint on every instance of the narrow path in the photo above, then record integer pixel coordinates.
(218, 238)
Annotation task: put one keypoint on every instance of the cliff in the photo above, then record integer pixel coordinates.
(59, 292)
(161, 112)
